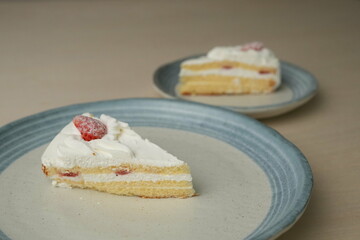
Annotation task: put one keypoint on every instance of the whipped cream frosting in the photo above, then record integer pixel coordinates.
(263, 57)
(120, 145)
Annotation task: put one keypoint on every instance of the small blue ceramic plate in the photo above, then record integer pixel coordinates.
(298, 86)
(252, 182)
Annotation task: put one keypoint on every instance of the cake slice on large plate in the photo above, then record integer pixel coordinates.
(105, 154)
(244, 69)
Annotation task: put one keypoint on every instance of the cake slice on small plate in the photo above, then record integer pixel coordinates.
(245, 69)
(105, 154)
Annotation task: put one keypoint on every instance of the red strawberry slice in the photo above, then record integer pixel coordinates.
(257, 46)
(122, 172)
(69, 174)
(227, 67)
(89, 128)
(264, 72)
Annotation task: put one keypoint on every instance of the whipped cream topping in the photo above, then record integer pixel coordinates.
(120, 145)
(263, 57)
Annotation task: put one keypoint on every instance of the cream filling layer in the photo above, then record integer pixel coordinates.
(198, 61)
(131, 177)
(229, 72)
(65, 185)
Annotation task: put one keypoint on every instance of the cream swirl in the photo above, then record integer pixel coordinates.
(110, 149)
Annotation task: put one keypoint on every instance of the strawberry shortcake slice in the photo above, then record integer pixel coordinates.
(105, 154)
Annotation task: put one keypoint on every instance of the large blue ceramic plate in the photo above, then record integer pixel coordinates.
(298, 86)
(252, 182)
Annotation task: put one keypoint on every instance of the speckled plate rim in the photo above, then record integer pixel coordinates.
(22, 136)
(304, 88)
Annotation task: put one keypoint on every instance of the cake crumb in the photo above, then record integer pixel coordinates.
(57, 184)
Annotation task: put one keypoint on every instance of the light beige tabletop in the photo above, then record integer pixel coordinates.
(56, 53)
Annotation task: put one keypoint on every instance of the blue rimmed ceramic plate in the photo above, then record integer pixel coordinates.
(252, 183)
(298, 86)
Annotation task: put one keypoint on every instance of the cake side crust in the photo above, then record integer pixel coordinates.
(146, 189)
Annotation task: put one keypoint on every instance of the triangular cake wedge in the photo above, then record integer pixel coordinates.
(105, 154)
(245, 69)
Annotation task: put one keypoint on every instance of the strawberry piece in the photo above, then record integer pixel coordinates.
(69, 174)
(122, 172)
(257, 46)
(227, 67)
(89, 128)
(264, 72)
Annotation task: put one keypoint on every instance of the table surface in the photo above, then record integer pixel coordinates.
(56, 53)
